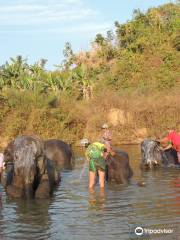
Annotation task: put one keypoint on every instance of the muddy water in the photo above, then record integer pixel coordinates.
(74, 213)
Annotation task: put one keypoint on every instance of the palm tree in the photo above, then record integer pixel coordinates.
(80, 74)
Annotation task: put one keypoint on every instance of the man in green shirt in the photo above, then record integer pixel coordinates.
(95, 156)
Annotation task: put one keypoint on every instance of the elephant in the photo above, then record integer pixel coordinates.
(29, 173)
(153, 156)
(118, 169)
(59, 153)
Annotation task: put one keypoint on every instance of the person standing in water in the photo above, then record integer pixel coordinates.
(95, 156)
(1, 164)
(172, 139)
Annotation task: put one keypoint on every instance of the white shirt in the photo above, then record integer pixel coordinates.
(1, 159)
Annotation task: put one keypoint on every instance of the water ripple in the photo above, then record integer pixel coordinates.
(74, 213)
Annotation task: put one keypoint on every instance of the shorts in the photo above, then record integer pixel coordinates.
(97, 164)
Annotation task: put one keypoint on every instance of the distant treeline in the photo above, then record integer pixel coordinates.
(142, 54)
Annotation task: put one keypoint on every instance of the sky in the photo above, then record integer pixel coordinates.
(40, 28)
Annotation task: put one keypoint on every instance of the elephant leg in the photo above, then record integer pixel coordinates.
(20, 187)
(53, 174)
(13, 184)
(122, 178)
(7, 175)
(14, 191)
(48, 181)
(57, 177)
(18, 192)
(16, 188)
(106, 173)
(111, 174)
(130, 172)
(43, 190)
(28, 191)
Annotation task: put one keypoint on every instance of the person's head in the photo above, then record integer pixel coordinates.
(105, 126)
(84, 142)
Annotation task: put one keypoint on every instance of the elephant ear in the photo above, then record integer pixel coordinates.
(39, 145)
(40, 157)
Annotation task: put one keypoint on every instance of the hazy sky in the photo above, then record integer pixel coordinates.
(39, 28)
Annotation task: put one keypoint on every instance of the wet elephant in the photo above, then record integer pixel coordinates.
(153, 156)
(28, 171)
(118, 168)
(60, 153)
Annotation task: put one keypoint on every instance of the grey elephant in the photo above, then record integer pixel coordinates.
(29, 173)
(118, 169)
(154, 157)
(60, 153)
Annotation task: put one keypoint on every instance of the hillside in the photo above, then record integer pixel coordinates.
(130, 78)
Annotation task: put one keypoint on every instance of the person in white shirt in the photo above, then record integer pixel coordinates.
(1, 164)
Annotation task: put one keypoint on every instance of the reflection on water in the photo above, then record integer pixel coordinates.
(97, 199)
(75, 213)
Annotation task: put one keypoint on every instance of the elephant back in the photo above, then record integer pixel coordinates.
(118, 167)
(59, 152)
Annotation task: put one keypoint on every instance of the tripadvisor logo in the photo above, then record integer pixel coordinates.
(138, 231)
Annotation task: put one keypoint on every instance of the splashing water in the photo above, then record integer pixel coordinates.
(83, 170)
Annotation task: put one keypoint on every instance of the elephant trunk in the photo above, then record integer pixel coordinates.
(24, 179)
(29, 178)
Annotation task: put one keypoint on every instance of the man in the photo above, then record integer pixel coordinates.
(95, 156)
(106, 139)
(172, 139)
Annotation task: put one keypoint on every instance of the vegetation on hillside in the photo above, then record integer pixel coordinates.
(135, 68)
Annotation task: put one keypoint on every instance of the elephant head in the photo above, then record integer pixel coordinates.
(24, 161)
(153, 156)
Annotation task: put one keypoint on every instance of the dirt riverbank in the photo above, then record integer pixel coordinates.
(131, 118)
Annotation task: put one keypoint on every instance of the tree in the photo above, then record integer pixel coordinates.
(69, 56)
(81, 75)
(100, 40)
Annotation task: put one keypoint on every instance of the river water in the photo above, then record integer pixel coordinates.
(74, 213)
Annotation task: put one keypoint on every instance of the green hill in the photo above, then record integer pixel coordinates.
(130, 78)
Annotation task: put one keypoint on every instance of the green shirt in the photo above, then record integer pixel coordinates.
(94, 153)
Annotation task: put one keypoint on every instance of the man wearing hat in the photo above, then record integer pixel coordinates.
(95, 156)
(106, 139)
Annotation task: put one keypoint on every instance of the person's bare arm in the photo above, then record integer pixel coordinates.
(167, 147)
(165, 143)
(87, 158)
(164, 140)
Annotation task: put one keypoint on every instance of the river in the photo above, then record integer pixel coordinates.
(74, 213)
